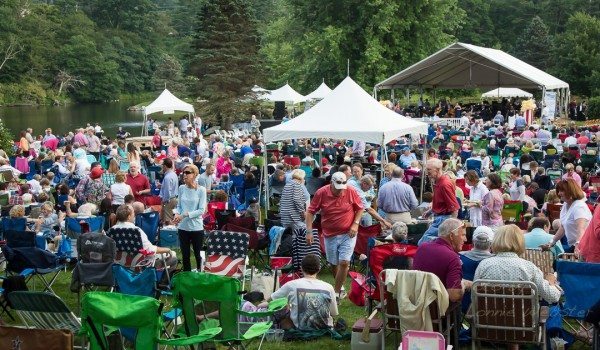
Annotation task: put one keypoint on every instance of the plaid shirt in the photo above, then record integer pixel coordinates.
(14, 200)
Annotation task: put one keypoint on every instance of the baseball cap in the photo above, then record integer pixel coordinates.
(338, 180)
(483, 234)
(96, 172)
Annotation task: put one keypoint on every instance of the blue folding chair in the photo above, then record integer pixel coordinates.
(73, 226)
(32, 170)
(578, 280)
(46, 165)
(148, 222)
(474, 164)
(248, 195)
(13, 224)
(91, 159)
(238, 185)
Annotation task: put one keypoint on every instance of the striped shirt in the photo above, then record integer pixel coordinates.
(292, 205)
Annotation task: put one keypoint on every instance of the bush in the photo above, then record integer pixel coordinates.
(6, 139)
(593, 111)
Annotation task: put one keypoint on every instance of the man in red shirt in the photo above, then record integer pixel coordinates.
(444, 204)
(341, 210)
(140, 186)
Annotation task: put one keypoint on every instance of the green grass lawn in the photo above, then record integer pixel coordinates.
(348, 311)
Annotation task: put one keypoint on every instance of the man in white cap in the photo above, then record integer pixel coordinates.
(341, 210)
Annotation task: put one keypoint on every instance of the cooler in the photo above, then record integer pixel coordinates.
(375, 335)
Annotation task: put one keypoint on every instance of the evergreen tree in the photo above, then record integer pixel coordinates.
(534, 44)
(224, 57)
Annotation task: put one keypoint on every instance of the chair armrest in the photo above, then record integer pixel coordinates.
(201, 337)
(544, 313)
(274, 306)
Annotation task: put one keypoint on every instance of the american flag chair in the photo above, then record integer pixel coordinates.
(227, 254)
(130, 252)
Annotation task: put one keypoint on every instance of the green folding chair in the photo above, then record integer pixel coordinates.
(512, 211)
(102, 312)
(191, 289)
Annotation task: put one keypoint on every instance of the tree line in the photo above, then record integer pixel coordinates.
(96, 50)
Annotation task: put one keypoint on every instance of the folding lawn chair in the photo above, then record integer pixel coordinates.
(577, 280)
(24, 255)
(190, 288)
(256, 252)
(227, 253)
(101, 310)
(148, 222)
(362, 240)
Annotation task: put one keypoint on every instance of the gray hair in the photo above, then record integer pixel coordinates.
(482, 244)
(399, 231)
(398, 173)
(368, 179)
(436, 163)
(448, 226)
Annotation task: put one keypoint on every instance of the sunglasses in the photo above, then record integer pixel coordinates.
(187, 172)
(340, 182)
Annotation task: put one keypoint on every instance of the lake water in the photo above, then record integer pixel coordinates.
(63, 119)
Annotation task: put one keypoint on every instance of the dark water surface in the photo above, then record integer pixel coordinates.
(63, 119)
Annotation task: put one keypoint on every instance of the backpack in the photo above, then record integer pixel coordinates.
(286, 243)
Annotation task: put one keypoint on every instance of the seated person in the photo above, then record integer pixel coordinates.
(482, 241)
(508, 244)
(312, 301)
(48, 220)
(441, 257)
(125, 222)
(539, 234)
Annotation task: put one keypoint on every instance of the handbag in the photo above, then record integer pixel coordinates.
(35, 339)
(64, 248)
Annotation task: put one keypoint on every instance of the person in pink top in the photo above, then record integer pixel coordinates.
(571, 174)
(528, 134)
(80, 138)
(224, 164)
(341, 210)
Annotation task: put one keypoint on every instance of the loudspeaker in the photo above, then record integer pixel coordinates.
(279, 111)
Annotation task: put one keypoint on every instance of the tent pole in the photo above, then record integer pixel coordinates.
(144, 124)
(266, 181)
(393, 96)
(375, 93)
(543, 104)
(320, 160)
(423, 172)
(407, 97)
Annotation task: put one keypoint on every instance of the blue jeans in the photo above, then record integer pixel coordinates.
(432, 231)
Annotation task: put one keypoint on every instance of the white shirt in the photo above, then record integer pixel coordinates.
(571, 141)
(304, 295)
(476, 194)
(119, 191)
(569, 214)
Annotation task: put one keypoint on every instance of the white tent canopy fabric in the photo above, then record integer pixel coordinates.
(287, 94)
(506, 92)
(320, 93)
(463, 65)
(168, 104)
(348, 112)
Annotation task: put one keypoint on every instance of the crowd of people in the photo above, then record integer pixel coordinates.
(471, 174)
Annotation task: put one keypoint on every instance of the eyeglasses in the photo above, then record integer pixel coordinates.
(187, 172)
(340, 182)
(459, 227)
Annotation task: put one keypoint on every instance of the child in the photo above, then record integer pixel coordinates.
(34, 184)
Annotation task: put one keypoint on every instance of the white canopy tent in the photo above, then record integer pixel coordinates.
(167, 103)
(348, 112)
(320, 93)
(460, 66)
(285, 93)
(506, 92)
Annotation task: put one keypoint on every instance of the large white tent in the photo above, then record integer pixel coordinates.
(167, 103)
(460, 66)
(320, 93)
(348, 112)
(286, 94)
(506, 92)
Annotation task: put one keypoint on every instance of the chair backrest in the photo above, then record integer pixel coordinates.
(553, 211)
(577, 279)
(74, 229)
(90, 158)
(101, 309)
(93, 247)
(222, 217)
(512, 210)
(129, 246)
(123, 165)
(189, 287)
(19, 239)
(252, 234)
(131, 282)
(226, 253)
(249, 194)
(505, 310)
(43, 310)
(14, 224)
(541, 259)
(378, 255)
(362, 239)
(148, 222)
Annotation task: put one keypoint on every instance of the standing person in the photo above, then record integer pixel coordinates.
(589, 246)
(183, 124)
(574, 215)
(168, 190)
(94, 143)
(396, 198)
(156, 141)
(191, 205)
(119, 190)
(254, 125)
(198, 125)
(140, 185)
(516, 187)
(341, 211)
(492, 202)
(206, 179)
(24, 143)
(444, 204)
(478, 191)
